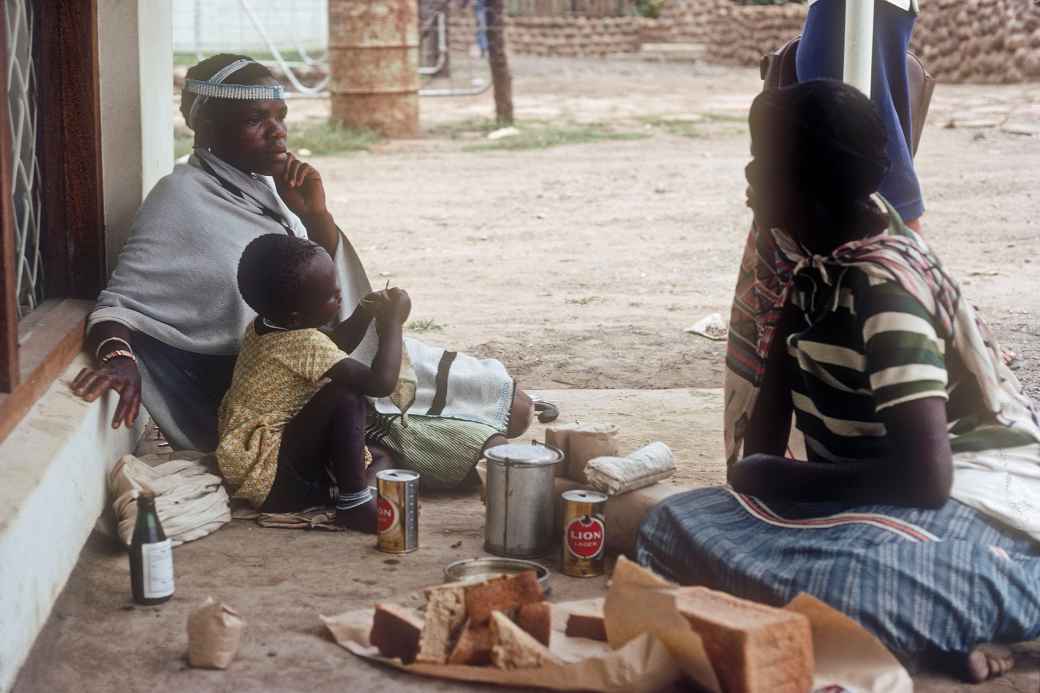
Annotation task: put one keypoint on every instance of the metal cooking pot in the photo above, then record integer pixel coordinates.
(520, 499)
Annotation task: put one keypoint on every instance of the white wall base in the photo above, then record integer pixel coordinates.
(53, 468)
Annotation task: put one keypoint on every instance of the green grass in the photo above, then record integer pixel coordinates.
(322, 137)
(550, 136)
(182, 141)
(425, 325)
(458, 129)
(680, 128)
(291, 56)
(319, 137)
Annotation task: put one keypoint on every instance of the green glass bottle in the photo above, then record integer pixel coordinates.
(151, 556)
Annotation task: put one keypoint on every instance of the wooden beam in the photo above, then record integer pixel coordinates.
(8, 300)
(51, 336)
(70, 148)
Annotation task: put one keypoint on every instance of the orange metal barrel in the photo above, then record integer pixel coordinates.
(374, 62)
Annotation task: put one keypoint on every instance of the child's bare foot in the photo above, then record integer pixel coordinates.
(363, 518)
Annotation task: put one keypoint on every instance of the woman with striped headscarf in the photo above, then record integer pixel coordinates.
(917, 511)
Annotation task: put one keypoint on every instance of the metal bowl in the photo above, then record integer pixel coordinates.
(477, 569)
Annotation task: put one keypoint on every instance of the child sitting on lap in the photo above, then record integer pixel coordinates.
(296, 408)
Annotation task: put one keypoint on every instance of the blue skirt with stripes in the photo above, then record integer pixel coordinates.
(921, 580)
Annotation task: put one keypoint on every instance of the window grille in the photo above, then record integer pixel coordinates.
(25, 170)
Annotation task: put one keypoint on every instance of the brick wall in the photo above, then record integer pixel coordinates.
(992, 41)
(959, 40)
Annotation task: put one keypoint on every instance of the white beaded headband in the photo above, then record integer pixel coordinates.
(214, 88)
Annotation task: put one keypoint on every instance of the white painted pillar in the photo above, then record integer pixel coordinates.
(155, 51)
(859, 43)
(135, 55)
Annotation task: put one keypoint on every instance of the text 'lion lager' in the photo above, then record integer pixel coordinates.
(584, 533)
(398, 511)
(151, 556)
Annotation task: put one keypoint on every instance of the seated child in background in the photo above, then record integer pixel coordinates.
(283, 428)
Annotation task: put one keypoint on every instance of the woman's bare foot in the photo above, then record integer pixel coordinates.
(987, 662)
(362, 518)
(984, 662)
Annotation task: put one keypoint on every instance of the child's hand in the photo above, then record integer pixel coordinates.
(401, 304)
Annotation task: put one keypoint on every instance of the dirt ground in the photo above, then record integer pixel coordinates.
(579, 266)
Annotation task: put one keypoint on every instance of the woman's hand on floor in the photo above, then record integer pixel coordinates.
(121, 375)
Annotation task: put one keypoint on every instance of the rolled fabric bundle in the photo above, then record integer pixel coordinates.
(645, 466)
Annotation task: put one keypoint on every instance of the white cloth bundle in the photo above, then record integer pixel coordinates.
(190, 501)
(617, 475)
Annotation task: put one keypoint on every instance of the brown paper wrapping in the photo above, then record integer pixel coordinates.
(653, 646)
(580, 443)
(214, 632)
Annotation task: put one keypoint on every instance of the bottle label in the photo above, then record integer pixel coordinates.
(157, 569)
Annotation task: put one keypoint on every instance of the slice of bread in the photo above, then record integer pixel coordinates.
(752, 647)
(536, 621)
(515, 649)
(445, 614)
(473, 646)
(396, 631)
(506, 593)
(591, 626)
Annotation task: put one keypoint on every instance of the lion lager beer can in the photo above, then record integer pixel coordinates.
(584, 533)
(398, 509)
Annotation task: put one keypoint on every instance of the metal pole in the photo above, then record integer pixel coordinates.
(859, 43)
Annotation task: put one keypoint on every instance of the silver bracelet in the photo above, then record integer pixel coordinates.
(97, 352)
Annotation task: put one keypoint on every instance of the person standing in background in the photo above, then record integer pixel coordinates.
(480, 10)
(820, 56)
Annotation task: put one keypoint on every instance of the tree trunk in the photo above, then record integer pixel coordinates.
(499, 62)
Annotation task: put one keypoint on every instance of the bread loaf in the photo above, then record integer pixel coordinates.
(752, 647)
(506, 593)
(536, 621)
(515, 649)
(445, 614)
(473, 646)
(396, 631)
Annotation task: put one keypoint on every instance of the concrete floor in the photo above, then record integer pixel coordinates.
(281, 580)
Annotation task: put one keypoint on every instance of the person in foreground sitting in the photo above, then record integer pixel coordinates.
(917, 512)
(282, 427)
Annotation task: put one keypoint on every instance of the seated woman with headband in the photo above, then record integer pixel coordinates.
(167, 329)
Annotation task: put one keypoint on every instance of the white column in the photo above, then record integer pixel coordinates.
(135, 56)
(155, 51)
(859, 43)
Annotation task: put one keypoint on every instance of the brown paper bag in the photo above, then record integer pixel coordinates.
(214, 631)
(580, 443)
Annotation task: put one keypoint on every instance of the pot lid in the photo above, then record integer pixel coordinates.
(523, 455)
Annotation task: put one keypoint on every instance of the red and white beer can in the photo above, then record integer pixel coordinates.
(398, 509)
(584, 533)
